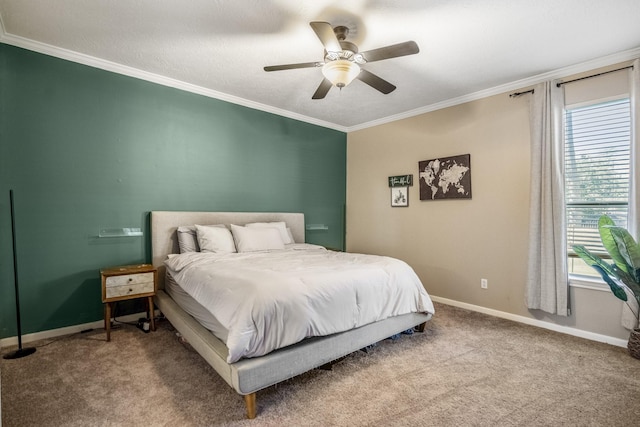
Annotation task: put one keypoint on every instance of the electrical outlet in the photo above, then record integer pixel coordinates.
(484, 284)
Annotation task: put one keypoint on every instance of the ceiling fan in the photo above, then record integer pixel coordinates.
(342, 60)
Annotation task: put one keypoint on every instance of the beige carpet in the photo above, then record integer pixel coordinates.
(467, 369)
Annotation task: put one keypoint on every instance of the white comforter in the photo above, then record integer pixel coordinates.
(268, 300)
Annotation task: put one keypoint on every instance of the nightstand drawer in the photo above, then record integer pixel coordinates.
(129, 279)
(130, 289)
(127, 282)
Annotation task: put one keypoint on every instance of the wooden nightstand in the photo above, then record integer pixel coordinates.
(128, 282)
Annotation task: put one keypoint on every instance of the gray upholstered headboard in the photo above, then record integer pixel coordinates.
(164, 224)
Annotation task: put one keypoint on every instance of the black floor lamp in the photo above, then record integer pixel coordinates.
(20, 352)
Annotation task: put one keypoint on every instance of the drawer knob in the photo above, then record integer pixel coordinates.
(130, 278)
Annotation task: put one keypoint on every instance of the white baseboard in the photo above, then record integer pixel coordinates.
(6, 342)
(68, 330)
(534, 322)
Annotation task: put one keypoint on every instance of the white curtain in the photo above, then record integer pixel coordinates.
(629, 320)
(547, 281)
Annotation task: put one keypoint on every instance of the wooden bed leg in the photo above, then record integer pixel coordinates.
(421, 326)
(250, 401)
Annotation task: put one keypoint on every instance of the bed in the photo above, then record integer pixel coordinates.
(247, 375)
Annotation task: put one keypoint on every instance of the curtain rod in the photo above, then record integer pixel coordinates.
(514, 94)
(594, 75)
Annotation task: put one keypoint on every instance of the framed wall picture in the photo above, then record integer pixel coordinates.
(401, 181)
(445, 178)
(399, 196)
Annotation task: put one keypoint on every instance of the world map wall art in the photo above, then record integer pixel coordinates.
(445, 178)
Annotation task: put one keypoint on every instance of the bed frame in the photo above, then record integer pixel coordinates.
(247, 376)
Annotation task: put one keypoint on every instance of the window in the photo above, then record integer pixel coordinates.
(597, 173)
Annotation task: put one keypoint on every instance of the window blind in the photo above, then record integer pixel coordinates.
(597, 153)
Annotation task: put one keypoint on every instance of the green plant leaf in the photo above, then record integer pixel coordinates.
(629, 281)
(605, 224)
(617, 290)
(627, 247)
(607, 239)
(610, 273)
(624, 273)
(593, 260)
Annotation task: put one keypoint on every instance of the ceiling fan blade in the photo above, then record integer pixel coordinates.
(325, 33)
(376, 82)
(322, 90)
(393, 51)
(293, 66)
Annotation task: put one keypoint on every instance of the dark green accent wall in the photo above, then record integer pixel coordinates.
(85, 149)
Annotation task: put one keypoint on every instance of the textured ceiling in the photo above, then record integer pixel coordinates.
(219, 48)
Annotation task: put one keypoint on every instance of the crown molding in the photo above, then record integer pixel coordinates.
(115, 67)
(561, 73)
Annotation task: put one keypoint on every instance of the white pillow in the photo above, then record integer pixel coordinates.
(251, 239)
(280, 226)
(187, 239)
(214, 238)
(290, 234)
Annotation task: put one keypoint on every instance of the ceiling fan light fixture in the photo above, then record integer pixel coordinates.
(340, 72)
(342, 60)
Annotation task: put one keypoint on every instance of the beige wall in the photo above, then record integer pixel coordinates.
(452, 244)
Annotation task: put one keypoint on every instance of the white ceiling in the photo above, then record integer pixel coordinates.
(468, 48)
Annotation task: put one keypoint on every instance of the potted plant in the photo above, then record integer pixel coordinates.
(623, 276)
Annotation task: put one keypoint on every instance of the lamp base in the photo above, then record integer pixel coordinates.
(21, 352)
